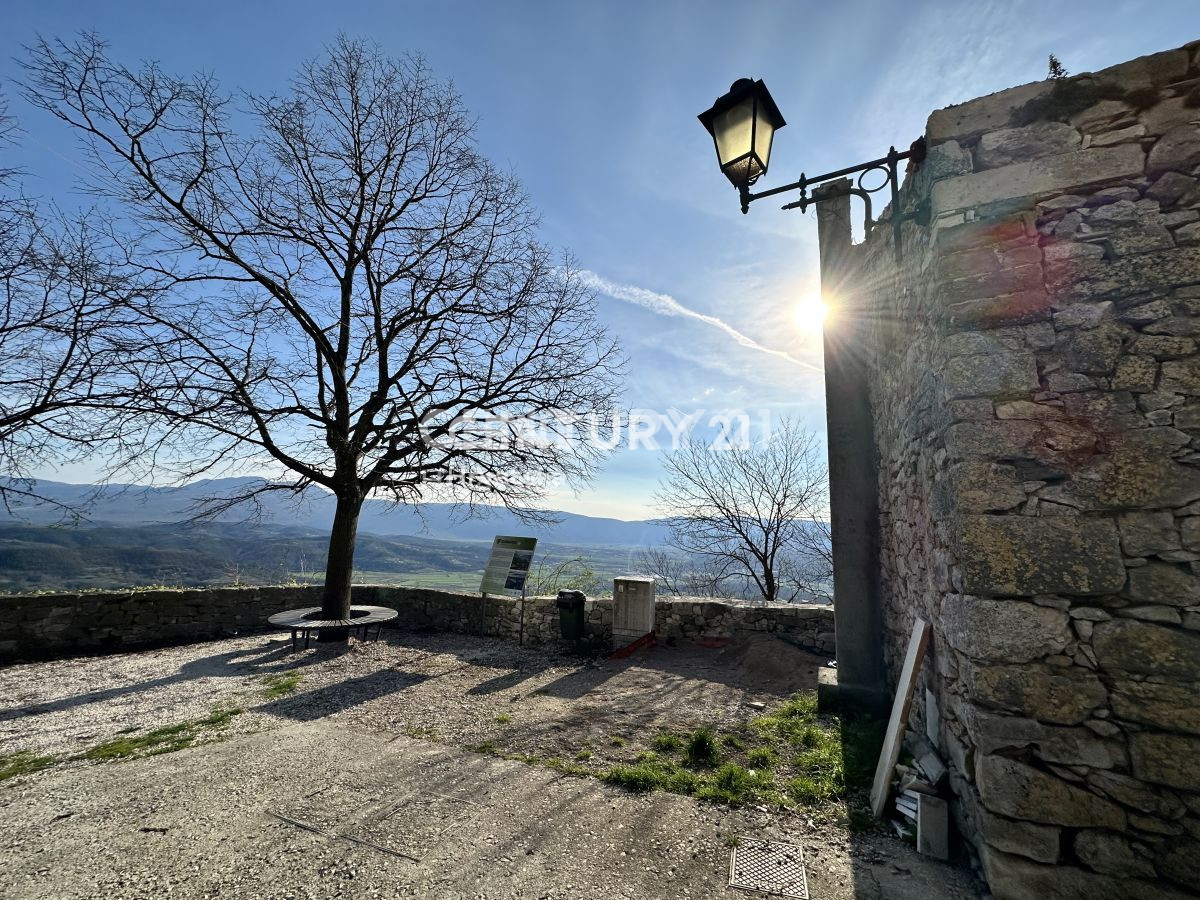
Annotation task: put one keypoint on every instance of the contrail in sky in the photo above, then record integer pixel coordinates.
(666, 305)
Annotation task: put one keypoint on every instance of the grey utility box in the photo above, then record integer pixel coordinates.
(633, 610)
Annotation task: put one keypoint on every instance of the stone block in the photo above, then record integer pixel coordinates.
(1135, 470)
(1025, 409)
(1018, 555)
(997, 440)
(1177, 150)
(1182, 862)
(1092, 351)
(1170, 187)
(1002, 630)
(1020, 308)
(1147, 533)
(1037, 842)
(1059, 696)
(1015, 878)
(1010, 231)
(995, 283)
(981, 114)
(1039, 177)
(1164, 584)
(1065, 746)
(1162, 347)
(1128, 645)
(1001, 372)
(1171, 706)
(982, 486)
(1188, 235)
(1013, 788)
(1169, 759)
(1120, 136)
(1009, 145)
(1181, 376)
(1100, 279)
(1135, 373)
(1111, 854)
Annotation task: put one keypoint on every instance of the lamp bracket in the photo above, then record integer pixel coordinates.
(888, 166)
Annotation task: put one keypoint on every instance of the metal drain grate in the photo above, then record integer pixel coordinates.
(769, 868)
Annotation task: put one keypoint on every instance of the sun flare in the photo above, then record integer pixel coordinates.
(810, 313)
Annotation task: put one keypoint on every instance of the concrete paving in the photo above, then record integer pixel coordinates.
(315, 810)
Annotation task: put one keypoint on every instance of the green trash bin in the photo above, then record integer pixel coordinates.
(570, 614)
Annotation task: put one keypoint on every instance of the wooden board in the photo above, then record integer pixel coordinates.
(899, 718)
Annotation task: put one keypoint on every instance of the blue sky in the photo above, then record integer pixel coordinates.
(593, 105)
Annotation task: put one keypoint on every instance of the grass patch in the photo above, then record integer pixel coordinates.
(23, 762)
(503, 719)
(583, 754)
(568, 768)
(281, 684)
(482, 747)
(638, 778)
(700, 751)
(425, 733)
(666, 742)
(167, 739)
(618, 741)
(734, 785)
(762, 758)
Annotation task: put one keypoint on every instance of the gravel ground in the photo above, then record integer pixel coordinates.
(419, 699)
(461, 689)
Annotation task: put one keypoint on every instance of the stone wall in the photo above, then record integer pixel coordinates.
(1036, 397)
(61, 624)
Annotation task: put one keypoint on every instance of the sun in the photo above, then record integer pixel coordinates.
(811, 312)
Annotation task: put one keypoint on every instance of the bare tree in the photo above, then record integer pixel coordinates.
(755, 512)
(351, 295)
(574, 573)
(64, 381)
(683, 576)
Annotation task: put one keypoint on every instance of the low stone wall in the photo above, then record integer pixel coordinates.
(63, 624)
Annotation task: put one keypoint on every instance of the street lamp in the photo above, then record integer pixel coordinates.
(743, 123)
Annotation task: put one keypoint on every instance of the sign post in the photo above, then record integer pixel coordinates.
(508, 568)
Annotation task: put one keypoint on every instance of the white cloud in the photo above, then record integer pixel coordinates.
(666, 305)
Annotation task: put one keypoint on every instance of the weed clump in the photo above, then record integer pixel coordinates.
(281, 684)
(666, 742)
(701, 752)
(639, 778)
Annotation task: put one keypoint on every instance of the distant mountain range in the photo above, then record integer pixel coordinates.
(137, 506)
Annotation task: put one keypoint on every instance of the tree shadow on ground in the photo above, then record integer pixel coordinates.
(275, 658)
(341, 695)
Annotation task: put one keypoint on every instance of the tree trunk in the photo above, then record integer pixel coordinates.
(339, 567)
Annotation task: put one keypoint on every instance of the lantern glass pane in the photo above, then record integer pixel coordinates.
(763, 136)
(732, 130)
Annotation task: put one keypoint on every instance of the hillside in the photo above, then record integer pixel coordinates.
(135, 506)
(39, 558)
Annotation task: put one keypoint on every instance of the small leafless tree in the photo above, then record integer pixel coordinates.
(348, 293)
(756, 513)
(681, 576)
(574, 573)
